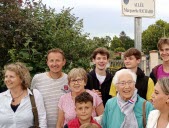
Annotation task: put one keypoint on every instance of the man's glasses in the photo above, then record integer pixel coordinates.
(73, 81)
(130, 82)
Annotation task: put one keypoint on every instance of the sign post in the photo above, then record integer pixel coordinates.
(138, 33)
(138, 9)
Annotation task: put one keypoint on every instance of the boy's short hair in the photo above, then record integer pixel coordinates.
(102, 51)
(55, 50)
(133, 52)
(84, 97)
(162, 41)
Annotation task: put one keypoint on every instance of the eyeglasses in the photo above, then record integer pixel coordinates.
(126, 82)
(77, 80)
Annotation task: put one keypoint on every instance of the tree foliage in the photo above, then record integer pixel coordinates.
(126, 40)
(122, 43)
(154, 32)
(28, 32)
(116, 42)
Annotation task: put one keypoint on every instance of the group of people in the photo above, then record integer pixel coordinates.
(78, 99)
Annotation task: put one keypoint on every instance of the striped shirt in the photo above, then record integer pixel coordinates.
(51, 90)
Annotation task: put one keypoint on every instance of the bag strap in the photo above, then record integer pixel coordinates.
(34, 110)
(144, 114)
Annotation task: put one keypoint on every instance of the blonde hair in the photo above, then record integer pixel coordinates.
(77, 72)
(22, 71)
(162, 41)
(164, 84)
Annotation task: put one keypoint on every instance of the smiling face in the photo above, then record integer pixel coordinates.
(12, 80)
(100, 61)
(55, 62)
(164, 52)
(77, 85)
(159, 98)
(131, 62)
(84, 111)
(125, 86)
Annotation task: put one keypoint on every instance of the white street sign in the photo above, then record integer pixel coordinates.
(138, 8)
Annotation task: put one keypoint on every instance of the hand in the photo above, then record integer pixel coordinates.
(97, 92)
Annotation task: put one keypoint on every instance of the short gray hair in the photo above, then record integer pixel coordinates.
(123, 71)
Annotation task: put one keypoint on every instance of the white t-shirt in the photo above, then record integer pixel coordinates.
(100, 78)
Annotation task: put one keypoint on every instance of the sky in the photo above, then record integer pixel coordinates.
(104, 17)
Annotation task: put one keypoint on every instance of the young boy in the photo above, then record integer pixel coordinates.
(144, 84)
(162, 70)
(84, 108)
(99, 80)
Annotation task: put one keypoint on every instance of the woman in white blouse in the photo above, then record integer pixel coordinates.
(159, 118)
(15, 104)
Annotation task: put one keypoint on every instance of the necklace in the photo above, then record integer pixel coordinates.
(55, 78)
(13, 99)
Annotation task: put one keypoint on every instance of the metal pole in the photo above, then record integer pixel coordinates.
(138, 33)
(164, 31)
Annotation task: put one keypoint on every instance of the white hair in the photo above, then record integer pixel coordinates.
(121, 72)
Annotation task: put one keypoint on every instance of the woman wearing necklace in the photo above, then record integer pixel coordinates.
(77, 79)
(15, 105)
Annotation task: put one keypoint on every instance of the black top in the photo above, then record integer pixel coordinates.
(14, 107)
(3, 88)
(66, 126)
(104, 88)
(153, 73)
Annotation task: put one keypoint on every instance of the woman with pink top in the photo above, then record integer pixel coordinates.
(77, 79)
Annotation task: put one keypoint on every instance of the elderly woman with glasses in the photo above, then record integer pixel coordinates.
(77, 79)
(126, 109)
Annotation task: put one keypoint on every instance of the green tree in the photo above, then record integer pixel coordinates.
(126, 41)
(151, 35)
(11, 18)
(102, 42)
(40, 30)
(115, 43)
(119, 49)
